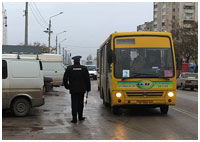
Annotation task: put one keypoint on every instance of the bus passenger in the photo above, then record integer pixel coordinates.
(138, 64)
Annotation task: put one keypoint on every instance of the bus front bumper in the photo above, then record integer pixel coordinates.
(144, 98)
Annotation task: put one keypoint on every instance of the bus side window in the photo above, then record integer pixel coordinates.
(102, 60)
(108, 47)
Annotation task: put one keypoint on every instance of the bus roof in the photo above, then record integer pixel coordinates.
(136, 33)
(140, 33)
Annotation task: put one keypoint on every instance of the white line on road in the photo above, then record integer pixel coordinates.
(186, 112)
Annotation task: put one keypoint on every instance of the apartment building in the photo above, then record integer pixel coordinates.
(167, 14)
(147, 26)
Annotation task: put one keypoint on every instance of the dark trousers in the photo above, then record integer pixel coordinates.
(77, 104)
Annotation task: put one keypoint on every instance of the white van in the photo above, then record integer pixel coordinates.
(53, 66)
(92, 69)
(22, 85)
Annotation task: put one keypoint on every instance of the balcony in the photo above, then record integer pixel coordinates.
(189, 4)
(155, 9)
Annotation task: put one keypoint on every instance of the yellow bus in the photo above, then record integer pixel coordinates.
(137, 68)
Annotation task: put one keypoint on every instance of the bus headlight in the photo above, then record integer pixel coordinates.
(170, 94)
(118, 94)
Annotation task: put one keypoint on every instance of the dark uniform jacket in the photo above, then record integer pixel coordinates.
(76, 79)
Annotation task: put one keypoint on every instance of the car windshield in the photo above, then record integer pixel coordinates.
(191, 76)
(91, 68)
(143, 62)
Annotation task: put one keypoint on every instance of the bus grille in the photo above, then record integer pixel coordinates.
(143, 94)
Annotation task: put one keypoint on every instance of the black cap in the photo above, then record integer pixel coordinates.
(76, 57)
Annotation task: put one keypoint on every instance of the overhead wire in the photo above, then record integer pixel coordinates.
(39, 13)
(36, 16)
(79, 46)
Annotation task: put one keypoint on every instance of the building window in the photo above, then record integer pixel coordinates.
(186, 22)
(174, 17)
(174, 9)
(189, 16)
(163, 30)
(188, 7)
(163, 23)
(164, 5)
(164, 17)
(164, 11)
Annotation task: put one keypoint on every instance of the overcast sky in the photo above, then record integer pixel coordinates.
(87, 24)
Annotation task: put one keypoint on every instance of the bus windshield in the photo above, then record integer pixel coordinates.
(143, 63)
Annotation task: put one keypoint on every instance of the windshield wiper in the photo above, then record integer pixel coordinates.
(166, 78)
(152, 76)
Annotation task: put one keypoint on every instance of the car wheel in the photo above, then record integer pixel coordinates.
(21, 107)
(164, 109)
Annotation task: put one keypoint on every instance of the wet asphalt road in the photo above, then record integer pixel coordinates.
(52, 121)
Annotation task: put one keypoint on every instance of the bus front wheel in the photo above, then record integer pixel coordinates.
(164, 109)
(105, 103)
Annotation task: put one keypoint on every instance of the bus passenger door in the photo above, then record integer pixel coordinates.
(103, 76)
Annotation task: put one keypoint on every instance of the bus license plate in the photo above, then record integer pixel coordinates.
(144, 102)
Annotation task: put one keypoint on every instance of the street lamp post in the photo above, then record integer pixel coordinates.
(49, 30)
(59, 45)
(57, 40)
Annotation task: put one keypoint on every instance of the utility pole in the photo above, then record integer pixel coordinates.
(63, 53)
(49, 32)
(59, 48)
(56, 44)
(57, 40)
(49, 29)
(26, 25)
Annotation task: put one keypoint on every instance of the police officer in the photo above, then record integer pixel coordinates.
(77, 80)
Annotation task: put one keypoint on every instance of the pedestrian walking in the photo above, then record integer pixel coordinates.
(77, 80)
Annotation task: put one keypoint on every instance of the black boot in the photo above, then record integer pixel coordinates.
(81, 118)
(74, 121)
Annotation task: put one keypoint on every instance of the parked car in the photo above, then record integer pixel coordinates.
(187, 80)
(92, 69)
(22, 85)
(48, 84)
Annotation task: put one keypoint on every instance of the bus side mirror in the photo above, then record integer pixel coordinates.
(179, 63)
(110, 57)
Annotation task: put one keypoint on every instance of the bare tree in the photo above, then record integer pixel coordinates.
(43, 47)
(186, 41)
